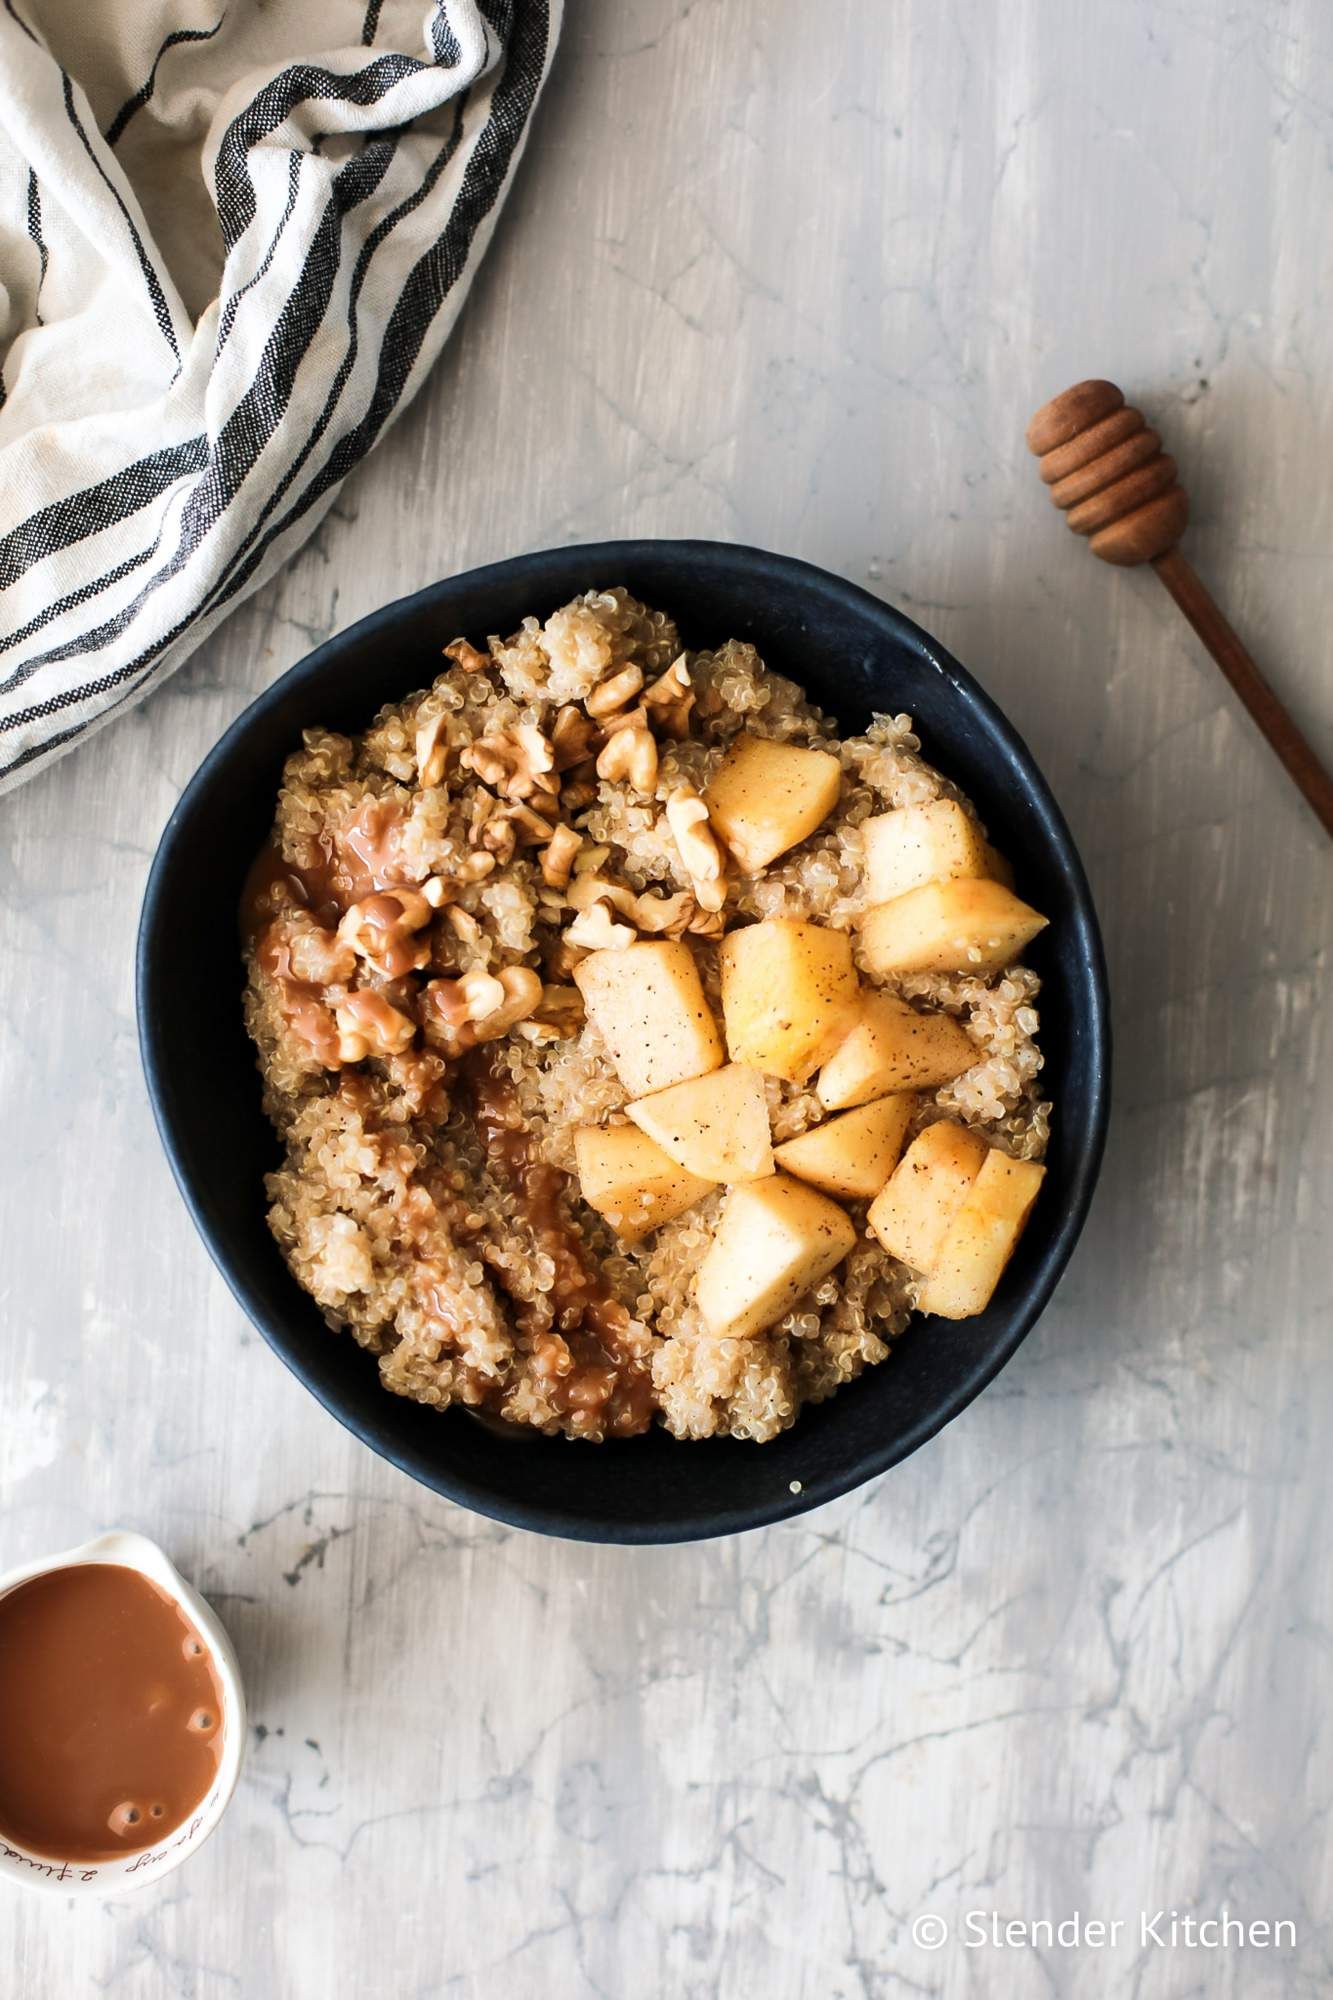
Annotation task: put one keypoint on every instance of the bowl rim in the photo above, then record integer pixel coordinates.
(608, 558)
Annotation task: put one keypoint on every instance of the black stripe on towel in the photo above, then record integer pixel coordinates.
(245, 434)
(156, 295)
(145, 91)
(232, 186)
(94, 508)
(224, 589)
(429, 284)
(230, 310)
(35, 231)
(85, 593)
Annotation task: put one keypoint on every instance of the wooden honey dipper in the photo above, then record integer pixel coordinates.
(1106, 469)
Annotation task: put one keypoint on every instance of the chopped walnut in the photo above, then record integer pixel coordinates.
(631, 756)
(532, 827)
(483, 804)
(483, 995)
(616, 693)
(624, 718)
(432, 748)
(515, 763)
(698, 847)
(670, 700)
(369, 1025)
(558, 858)
(578, 793)
(559, 1015)
(562, 1004)
(464, 654)
(571, 737)
(381, 929)
(659, 915)
(499, 837)
(668, 916)
(477, 867)
(595, 929)
(481, 1006)
(564, 958)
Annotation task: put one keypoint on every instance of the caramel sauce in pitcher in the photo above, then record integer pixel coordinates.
(110, 1713)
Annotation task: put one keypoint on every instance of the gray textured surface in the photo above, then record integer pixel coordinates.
(799, 285)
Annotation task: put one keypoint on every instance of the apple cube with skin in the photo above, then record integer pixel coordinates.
(892, 1047)
(911, 1216)
(775, 1239)
(981, 1238)
(648, 1004)
(930, 843)
(765, 797)
(714, 1125)
(959, 926)
(627, 1177)
(789, 994)
(851, 1156)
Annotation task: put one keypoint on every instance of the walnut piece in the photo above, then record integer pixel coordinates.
(670, 699)
(616, 693)
(630, 756)
(559, 1016)
(595, 929)
(369, 1025)
(381, 930)
(481, 1006)
(499, 837)
(432, 748)
(515, 763)
(558, 857)
(698, 847)
(464, 654)
(658, 915)
(532, 827)
(571, 737)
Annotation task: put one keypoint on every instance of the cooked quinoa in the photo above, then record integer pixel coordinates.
(411, 936)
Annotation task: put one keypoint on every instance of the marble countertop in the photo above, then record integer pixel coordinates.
(795, 277)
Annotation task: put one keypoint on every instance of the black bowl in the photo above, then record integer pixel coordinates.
(853, 655)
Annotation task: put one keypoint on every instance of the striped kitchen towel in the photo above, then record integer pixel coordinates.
(233, 238)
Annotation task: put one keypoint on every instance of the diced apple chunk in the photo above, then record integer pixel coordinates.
(930, 843)
(892, 1047)
(789, 994)
(959, 926)
(775, 1239)
(715, 1125)
(627, 1177)
(980, 1240)
(911, 1216)
(851, 1156)
(648, 1004)
(765, 797)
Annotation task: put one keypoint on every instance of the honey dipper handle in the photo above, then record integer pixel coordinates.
(1245, 677)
